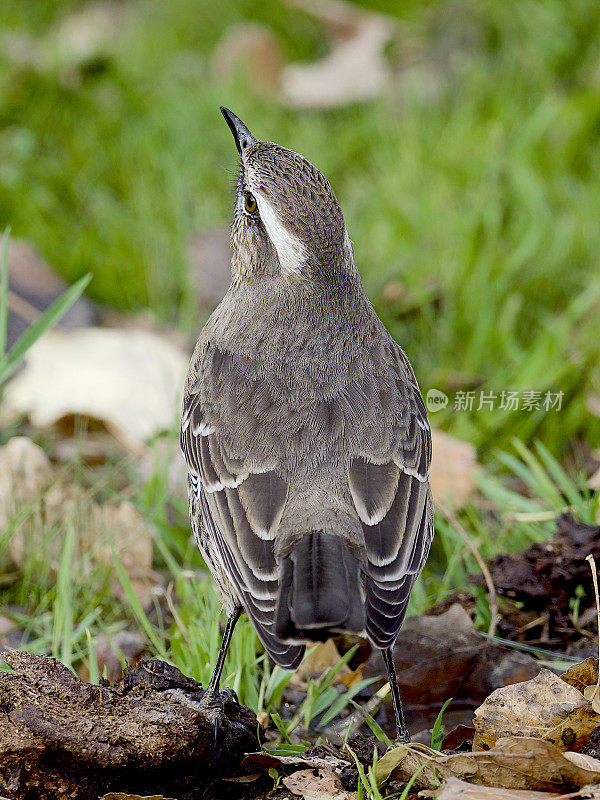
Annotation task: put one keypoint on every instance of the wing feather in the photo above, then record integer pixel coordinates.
(393, 501)
(239, 512)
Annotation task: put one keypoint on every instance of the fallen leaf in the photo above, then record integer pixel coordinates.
(354, 70)
(35, 500)
(265, 761)
(582, 674)
(130, 380)
(253, 50)
(316, 784)
(443, 656)
(545, 707)
(583, 760)
(318, 660)
(453, 465)
(126, 796)
(349, 679)
(514, 763)
(459, 737)
(455, 789)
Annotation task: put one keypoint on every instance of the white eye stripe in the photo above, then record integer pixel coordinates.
(290, 250)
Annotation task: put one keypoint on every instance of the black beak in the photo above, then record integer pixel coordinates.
(241, 134)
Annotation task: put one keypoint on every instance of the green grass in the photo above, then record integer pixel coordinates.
(476, 185)
(472, 189)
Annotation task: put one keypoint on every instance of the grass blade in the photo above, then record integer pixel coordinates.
(4, 292)
(11, 360)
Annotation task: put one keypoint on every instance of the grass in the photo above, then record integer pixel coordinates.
(470, 191)
(474, 187)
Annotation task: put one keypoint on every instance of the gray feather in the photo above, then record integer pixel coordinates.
(303, 426)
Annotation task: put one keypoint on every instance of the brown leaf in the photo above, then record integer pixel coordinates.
(266, 761)
(316, 784)
(443, 656)
(544, 707)
(514, 763)
(127, 796)
(584, 761)
(584, 676)
(354, 70)
(318, 660)
(47, 501)
(452, 468)
(455, 789)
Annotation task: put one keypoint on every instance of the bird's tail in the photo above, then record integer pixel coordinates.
(320, 590)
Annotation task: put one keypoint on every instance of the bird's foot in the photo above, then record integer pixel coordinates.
(402, 740)
(223, 709)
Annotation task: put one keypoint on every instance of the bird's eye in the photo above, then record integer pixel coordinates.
(250, 203)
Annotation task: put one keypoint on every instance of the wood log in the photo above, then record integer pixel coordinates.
(63, 738)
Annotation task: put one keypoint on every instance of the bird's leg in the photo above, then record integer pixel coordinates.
(212, 690)
(212, 702)
(402, 734)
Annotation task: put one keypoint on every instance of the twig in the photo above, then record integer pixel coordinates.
(482, 566)
(592, 563)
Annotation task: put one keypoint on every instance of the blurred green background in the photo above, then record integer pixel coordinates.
(470, 185)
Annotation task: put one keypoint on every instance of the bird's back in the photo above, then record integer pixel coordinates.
(313, 451)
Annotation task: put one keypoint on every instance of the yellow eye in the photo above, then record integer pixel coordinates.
(250, 203)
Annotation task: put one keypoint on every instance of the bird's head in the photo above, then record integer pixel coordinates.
(287, 219)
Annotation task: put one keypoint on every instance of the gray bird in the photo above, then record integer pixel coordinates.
(304, 430)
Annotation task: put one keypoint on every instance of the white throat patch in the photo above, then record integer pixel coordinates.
(290, 250)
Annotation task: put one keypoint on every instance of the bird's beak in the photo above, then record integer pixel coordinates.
(241, 134)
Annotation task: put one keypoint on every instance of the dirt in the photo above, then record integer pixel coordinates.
(61, 737)
(541, 582)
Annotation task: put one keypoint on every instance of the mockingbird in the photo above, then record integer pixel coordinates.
(304, 430)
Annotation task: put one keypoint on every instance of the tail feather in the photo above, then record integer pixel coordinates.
(320, 590)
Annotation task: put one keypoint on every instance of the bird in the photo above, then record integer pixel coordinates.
(306, 438)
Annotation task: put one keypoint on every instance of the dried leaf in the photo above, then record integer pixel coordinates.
(582, 674)
(514, 763)
(584, 761)
(318, 660)
(127, 796)
(36, 500)
(452, 468)
(354, 70)
(316, 784)
(266, 761)
(455, 789)
(443, 656)
(593, 696)
(129, 380)
(544, 707)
